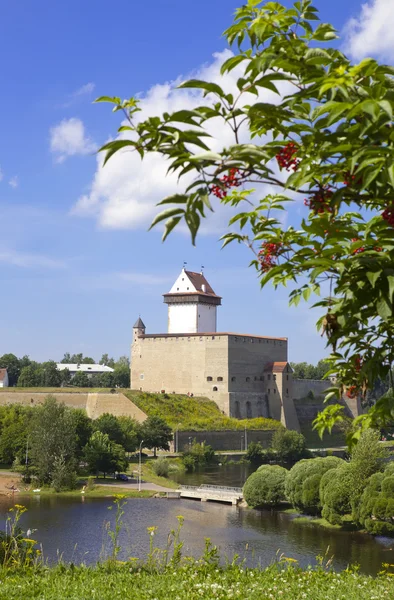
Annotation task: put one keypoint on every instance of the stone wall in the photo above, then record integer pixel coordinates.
(225, 440)
(302, 387)
(95, 404)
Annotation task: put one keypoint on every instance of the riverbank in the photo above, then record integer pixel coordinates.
(201, 580)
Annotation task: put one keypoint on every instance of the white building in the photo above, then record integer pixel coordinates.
(3, 378)
(192, 304)
(90, 370)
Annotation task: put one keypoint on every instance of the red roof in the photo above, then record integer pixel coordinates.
(277, 367)
(3, 373)
(198, 280)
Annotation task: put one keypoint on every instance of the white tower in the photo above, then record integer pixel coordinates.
(192, 304)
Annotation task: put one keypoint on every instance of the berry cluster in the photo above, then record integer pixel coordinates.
(286, 157)
(233, 179)
(268, 254)
(352, 391)
(319, 201)
(388, 215)
(350, 179)
(362, 248)
(358, 363)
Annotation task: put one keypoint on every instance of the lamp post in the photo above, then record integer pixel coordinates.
(246, 440)
(139, 468)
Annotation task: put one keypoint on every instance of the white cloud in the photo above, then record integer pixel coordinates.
(372, 32)
(29, 261)
(69, 138)
(124, 194)
(13, 182)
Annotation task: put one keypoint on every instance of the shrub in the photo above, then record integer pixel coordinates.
(161, 467)
(303, 482)
(335, 494)
(266, 487)
(197, 455)
(289, 445)
(376, 510)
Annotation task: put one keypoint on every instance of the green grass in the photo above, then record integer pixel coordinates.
(317, 521)
(149, 476)
(193, 414)
(192, 581)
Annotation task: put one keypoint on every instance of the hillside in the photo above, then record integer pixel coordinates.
(192, 414)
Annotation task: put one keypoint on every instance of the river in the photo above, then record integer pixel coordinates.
(73, 528)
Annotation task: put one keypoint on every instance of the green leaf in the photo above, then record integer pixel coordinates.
(211, 156)
(169, 226)
(390, 279)
(373, 276)
(166, 214)
(175, 199)
(213, 88)
(231, 63)
(384, 309)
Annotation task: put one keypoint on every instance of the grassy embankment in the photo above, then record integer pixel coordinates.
(193, 581)
(193, 414)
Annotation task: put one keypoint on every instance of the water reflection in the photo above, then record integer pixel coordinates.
(73, 527)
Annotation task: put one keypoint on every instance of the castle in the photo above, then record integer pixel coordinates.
(246, 375)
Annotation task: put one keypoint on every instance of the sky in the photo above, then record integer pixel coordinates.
(77, 264)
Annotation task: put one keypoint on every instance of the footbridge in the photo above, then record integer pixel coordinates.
(212, 493)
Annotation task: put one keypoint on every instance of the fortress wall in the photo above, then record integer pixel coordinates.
(94, 404)
(302, 387)
(226, 440)
(182, 365)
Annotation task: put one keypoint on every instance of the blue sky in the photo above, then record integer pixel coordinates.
(77, 265)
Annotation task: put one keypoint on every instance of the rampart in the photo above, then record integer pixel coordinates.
(226, 439)
(95, 404)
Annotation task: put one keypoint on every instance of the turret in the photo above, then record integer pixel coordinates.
(138, 329)
(192, 304)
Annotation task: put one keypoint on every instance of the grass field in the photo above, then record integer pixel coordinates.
(193, 414)
(203, 581)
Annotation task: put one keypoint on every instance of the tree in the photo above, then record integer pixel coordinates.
(123, 361)
(104, 456)
(109, 424)
(83, 426)
(80, 379)
(12, 364)
(52, 437)
(131, 433)
(49, 375)
(121, 376)
(14, 427)
(289, 445)
(29, 377)
(266, 487)
(326, 135)
(106, 380)
(156, 434)
(108, 362)
(66, 358)
(65, 377)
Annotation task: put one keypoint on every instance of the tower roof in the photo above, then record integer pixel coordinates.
(139, 324)
(198, 280)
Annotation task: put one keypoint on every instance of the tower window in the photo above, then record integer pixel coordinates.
(248, 379)
(220, 379)
(141, 376)
(214, 389)
(262, 378)
(287, 390)
(233, 379)
(268, 377)
(287, 377)
(274, 391)
(213, 337)
(209, 378)
(269, 391)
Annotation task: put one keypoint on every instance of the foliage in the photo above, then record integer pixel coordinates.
(63, 475)
(336, 493)
(14, 426)
(110, 425)
(266, 487)
(161, 467)
(303, 482)
(13, 366)
(131, 433)
(104, 456)
(28, 377)
(80, 379)
(52, 438)
(377, 503)
(156, 434)
(193, 579)
(197, 455)
(289, 445)
(327, 135)
(193, 414)
(304, 370)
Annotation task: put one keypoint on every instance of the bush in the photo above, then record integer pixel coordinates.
(335, 494)
(303, 482)
(197, 455)
(289, 445)
(266, 487)
(161, 467)
(376, 509)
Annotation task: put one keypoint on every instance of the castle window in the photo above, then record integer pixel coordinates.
(248, 379)
(209, 378)
(213, 337)
(235, 339)
(256, 378)
(233, 379)
(244, 340)
(287, 390)
(274, 391)
(141, 376)
(251, 340)
(177, 289)
(269, 391)
(262, 378)
(183, 279)
(287, 377)
(220, 379)
(268, 377)
(187, 289)
(214, 389)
